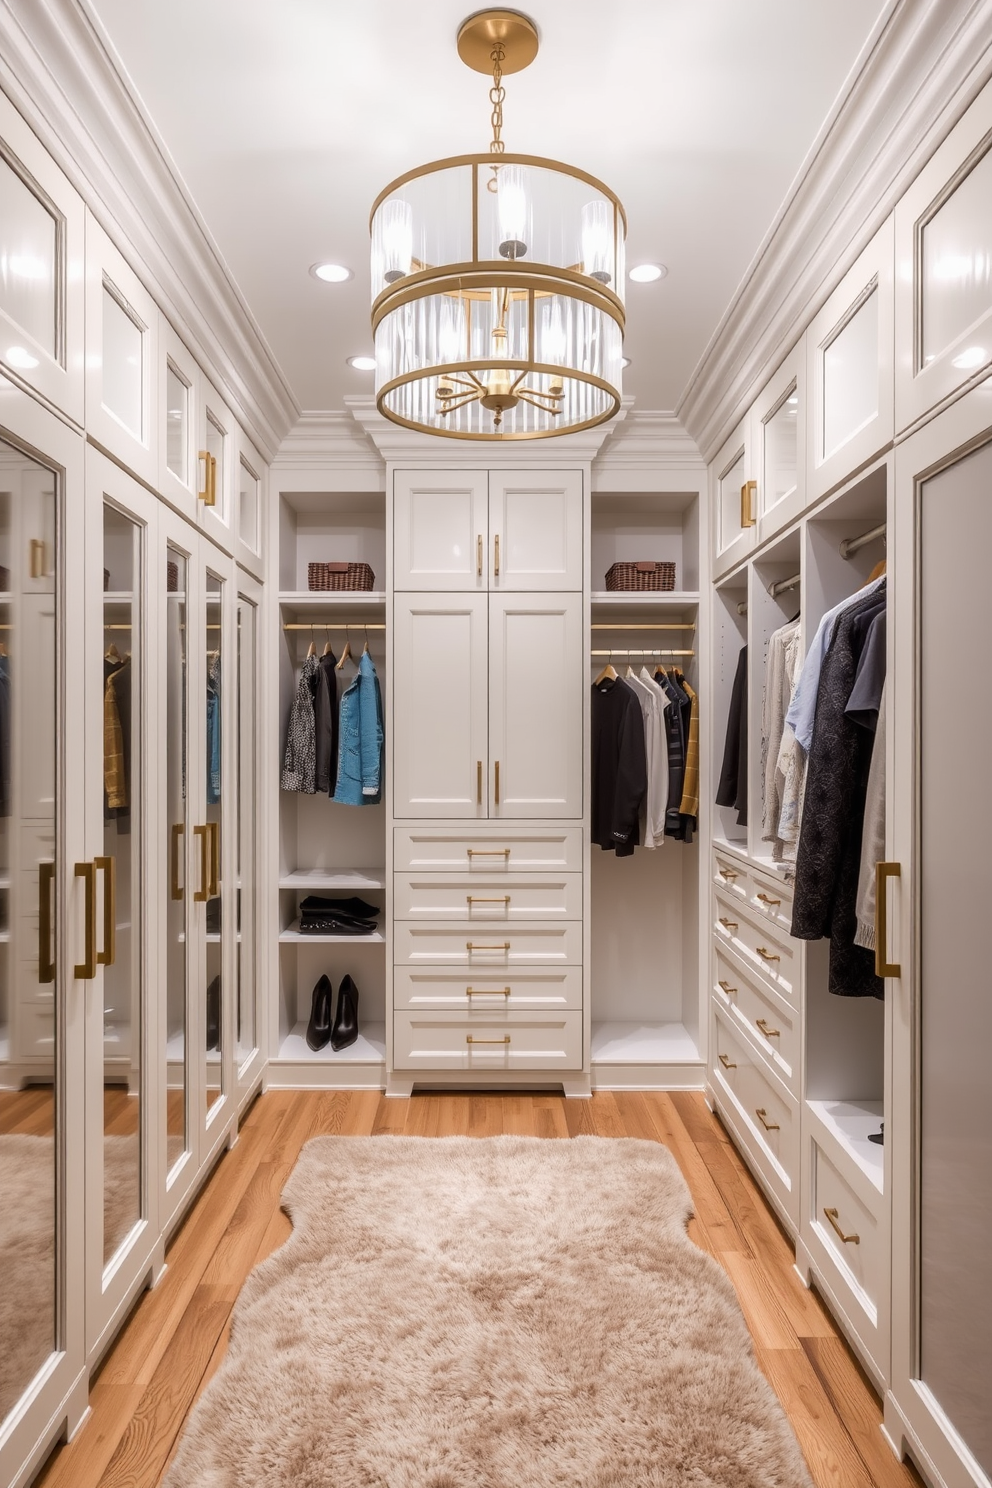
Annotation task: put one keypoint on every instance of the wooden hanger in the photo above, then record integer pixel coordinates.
(112, 653)
(608, 674)
(346, 653)
(877, 571)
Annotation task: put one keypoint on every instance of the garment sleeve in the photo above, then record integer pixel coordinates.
(726, 792)
(370, 734)
(873, 840)
(632, 778)
(114, 774)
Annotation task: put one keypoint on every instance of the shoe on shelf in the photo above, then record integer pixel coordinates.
(319, 1027)
(345, 1030)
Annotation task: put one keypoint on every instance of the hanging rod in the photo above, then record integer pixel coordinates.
(680, 625)
(784, 585)
(852, 544)
(319, 625)
(742, 607)
(628, 651)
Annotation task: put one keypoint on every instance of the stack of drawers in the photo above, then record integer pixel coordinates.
(755, 1030)
(487, 949)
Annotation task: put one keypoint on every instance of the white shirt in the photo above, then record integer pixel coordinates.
(653, 704)
(802, 709)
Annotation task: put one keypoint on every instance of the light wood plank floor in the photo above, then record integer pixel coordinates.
(177, 1334)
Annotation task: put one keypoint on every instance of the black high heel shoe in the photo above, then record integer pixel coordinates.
(345, 1030)
(319, 1027)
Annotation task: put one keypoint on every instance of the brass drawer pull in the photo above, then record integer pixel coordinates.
(46, 961)
(479, 899)
(478, 556)
(496, 559)
(202, 894)
(85, 970)
(768, 1032)
(178, 829)
(728, 873)
(768, 903)
(478, 785)
(487, 852)
(728, 924)
(884, 968)
(487, 991)
(748, 489)
(470, 1039)
(726, 987)
(36, 558)
(470, 946)
(834, 1219)
(762, 1116)
(767, 955)
(726, 1062)
(496, 802)
(108, 955)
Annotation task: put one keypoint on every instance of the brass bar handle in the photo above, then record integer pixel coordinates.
(478, 556)
(478, 782)
(496, 557)
(471, 1039)
(479, 899)
(728, 924)
(497, 782)
(46, 961)
(471, 946)
(767, 955)
(212, 498)
(178, 830)
(108, 955)
(36, 558)
(768, 1032)
(204, 495)
(766, 901)
(487, 992)
(748, 489)
(202, 894)
(726, 987)
(728, 873)
(726, 1062)
(487, 852)
(762, 1116)
(884, 968)
(85, 971)
(834, 1218)
(214, 888)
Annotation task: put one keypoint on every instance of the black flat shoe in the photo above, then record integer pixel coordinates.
(319, 1027)
(345, 1030)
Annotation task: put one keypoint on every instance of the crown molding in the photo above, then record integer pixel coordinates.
(336, 445)
(647, 453)
(917, 73)
(60, 70)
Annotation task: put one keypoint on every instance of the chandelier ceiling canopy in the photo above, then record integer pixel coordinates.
(497, 280)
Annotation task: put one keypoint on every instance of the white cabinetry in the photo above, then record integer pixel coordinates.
(734, 499)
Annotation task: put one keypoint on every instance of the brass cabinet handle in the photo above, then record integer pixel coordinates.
(487, 852)
(178, 829)
(85, 971)
(36, 558)
(108, 955)
(478, 782)
(764, 899)
(470, 946)
(728, 873)
(768, 1032)
(204, 495)
(46, 961)
(470, 1039)
(496, 558)
(478, 556)
(748, 489)
(212, 498)
(762, 1116)
(478, 899)
(883, 968)
(726, 1062)
(767, 955)
(728, 924)
(497, 782)
(202, 894)
(726, 987)
(214, 888)
(487, 991)
(834, 1218)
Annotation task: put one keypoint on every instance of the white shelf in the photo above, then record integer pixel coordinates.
(293, 936)
(335, 881)
(643, 599)
(850, 1123)
(174, 1051)
(117, 596)
(368, 1048)
(643, 1043)
(368, 603)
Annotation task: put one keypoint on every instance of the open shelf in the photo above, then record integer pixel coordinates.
(644, 1056)
(647, 599)
(350, 880)
(368, 1048)
(293, 936)
(849, 1123)
(302, 604)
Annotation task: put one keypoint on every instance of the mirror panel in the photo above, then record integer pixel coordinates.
(212, 887)
(177, 836)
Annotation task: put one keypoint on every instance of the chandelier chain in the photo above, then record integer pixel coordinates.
(497, 93)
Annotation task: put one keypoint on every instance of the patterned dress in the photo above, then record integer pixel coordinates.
(299, 766)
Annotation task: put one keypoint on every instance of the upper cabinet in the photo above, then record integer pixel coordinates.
(943, 245)
(42, 246)
(477, 531)
(778, 430)
(178, 407)
(249, 500)
(734, 499)
(215, 465)
(849, 353)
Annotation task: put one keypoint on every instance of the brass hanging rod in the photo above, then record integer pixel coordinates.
(628, 651)
(784, 585)
(338, 625)
(680, 625)
(852, 544)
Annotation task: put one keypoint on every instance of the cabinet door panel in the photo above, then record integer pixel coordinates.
(535, 523)
(535, 705)
(440, 530)
(440, 745)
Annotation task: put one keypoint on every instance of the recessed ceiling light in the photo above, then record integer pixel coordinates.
(18, 357)
(647, 273)
(972, 356)
(362, 363)
(331, 273)
(626, 361)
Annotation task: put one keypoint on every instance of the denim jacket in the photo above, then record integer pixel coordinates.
(360, 739)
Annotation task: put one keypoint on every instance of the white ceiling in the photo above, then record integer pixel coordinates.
(286, 117)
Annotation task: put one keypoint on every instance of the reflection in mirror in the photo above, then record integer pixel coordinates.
(122, 369)
(29, 251)
(29, 1002)
(120, 865)
(177, 1044)
(245, 741)
(177, 424)
(211, 888)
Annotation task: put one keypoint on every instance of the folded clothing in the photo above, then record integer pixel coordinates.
(335, 925)
(354, 907)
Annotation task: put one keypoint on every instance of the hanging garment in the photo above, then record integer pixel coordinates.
(781, 671)
(675, 734)
(689, 805)
(873, 837)
(652, 702)
(300, 760)
(828, 860)
(326, 724)
(213, 731)
(619, 767)
(117, 741)
(802, 708)
(732, 788)
(4, 736)
(360, 738)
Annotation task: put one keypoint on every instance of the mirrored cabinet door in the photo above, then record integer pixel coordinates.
(173, 876)
(216, 886)
(216, 462)
(177, 414)
(247, 1055)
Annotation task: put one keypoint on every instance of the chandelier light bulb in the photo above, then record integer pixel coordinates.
(512, 212)
(597, 240)
(396, 239)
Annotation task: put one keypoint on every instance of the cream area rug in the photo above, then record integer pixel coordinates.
(508, 1312)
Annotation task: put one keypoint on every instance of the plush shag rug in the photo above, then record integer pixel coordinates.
(500, 1313)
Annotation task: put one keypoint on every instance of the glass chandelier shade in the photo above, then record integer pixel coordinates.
(497, 298)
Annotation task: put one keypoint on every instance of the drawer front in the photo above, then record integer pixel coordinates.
(486, 993)
(768, 1111)
(487, 900)
(536, 1041)
(848, 1231)
(772, 901)
(770, 1020)
(491, 949)
(731, 875)
(765, 948)
(558, 850)
(35, 1023)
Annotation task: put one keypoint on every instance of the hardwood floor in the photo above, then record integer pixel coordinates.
(176, 1337)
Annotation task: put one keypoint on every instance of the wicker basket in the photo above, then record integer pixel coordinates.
(627, 576)
(340, 576)
(172, 582)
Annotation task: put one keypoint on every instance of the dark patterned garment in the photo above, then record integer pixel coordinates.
(732, 788)
(299, 768)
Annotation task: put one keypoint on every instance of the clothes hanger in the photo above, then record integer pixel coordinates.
(312, 648)
(608, 674)
(112, 653)
(365, 648)
(346, 653)
(877, 571)
(327, 641)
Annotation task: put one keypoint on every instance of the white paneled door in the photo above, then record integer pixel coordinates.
(535, 530)
(441, 530)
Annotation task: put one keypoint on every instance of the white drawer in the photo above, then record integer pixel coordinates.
(768, 1114)
(731, 874)
(847, 1229)
(487, 993)
(771, 1021)
(437, 896)
(557, 850)
(483, 948)
(541, 1042)
(763, 947)
(772, 900)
